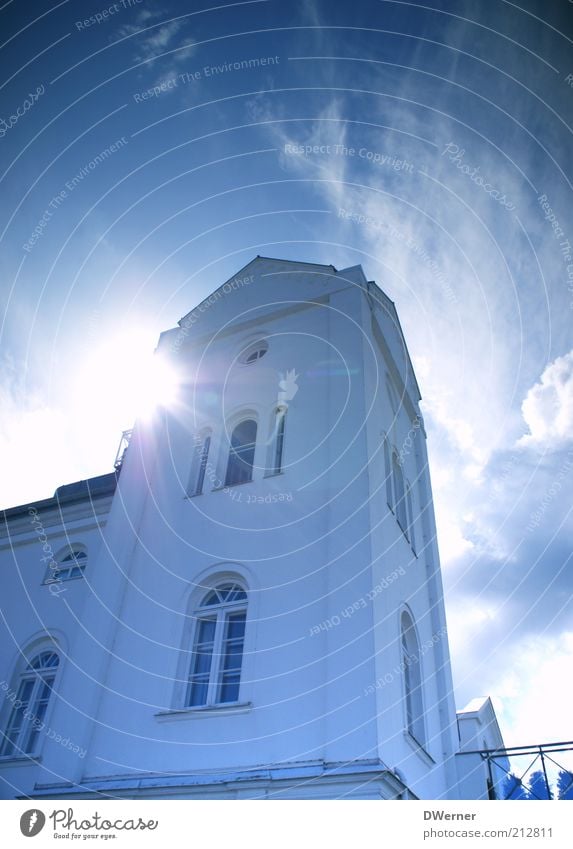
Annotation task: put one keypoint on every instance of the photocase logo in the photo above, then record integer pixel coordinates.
(32, 822)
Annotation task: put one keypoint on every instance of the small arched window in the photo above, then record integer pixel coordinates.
(216, 661)
(29, 705)
(71, 563)
(411, 662)
(202, 448)
(254, 352)
(241, 453)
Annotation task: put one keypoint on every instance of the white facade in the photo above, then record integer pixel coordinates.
(479, 732)
(344, 602)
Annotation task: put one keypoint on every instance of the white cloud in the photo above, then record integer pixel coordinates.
(548, 406)
(536, 691)
(35, 443)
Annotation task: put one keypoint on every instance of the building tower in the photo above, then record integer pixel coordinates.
(258, 610)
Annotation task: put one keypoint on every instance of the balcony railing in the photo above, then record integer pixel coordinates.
(122, 448)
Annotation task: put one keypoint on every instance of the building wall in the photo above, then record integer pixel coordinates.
(305, 681)
(327, 568)
(33, 613)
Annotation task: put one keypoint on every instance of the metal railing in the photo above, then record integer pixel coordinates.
(122, 448)
(543, 777)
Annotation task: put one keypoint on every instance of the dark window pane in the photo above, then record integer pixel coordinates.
(388, 474)
(242, 453)
(229, 691)
(232, 656)
(30, 744)
(201, 662)
(399, 495)
(197, 693)
(45, 660)
(211, 598)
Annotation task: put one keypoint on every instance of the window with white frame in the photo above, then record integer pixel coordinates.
(411, 662)
(409, 505)
(203, 445)
(218, 641)
(278, 441)
(399, 493)
(71, 563)
(241, 453)
(254, 352)
(29, 705)
(388, 476)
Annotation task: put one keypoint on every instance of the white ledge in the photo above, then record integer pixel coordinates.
(19, 760)
(204, 711)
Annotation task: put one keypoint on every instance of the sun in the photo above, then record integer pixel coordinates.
(156, 385)
(125, 376)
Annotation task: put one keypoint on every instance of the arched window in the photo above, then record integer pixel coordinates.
(388, 476)
(399, 493)
(392, 395)
(278, 441)
(71, 563)
(411, 662)
(29, 705)
(411, 534)
(242, 453)
(202, 448)
(254, 352)
(215, 670)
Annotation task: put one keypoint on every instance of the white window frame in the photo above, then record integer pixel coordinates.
(412, 683)
(388, 475)
(277, 437)
(200, 461)
(403, 512)
(398, 482)
(220, 613)
(27, 741)
(410, 510)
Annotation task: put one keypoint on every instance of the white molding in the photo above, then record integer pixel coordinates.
(203, 711)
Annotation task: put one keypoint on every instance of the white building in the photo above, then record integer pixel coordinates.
(256, 609)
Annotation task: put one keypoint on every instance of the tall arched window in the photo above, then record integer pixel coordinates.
(278, 441)
(202, 448)
(411, 661)
(215, 670)
(388, 476)
(29, 705)
(411, 534)
(242, 453)
(399, 493)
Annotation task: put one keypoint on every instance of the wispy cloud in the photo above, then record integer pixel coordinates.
(152, 40)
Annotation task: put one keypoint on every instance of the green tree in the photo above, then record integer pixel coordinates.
(565, 784)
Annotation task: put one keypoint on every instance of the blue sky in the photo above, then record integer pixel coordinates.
(140, 169)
